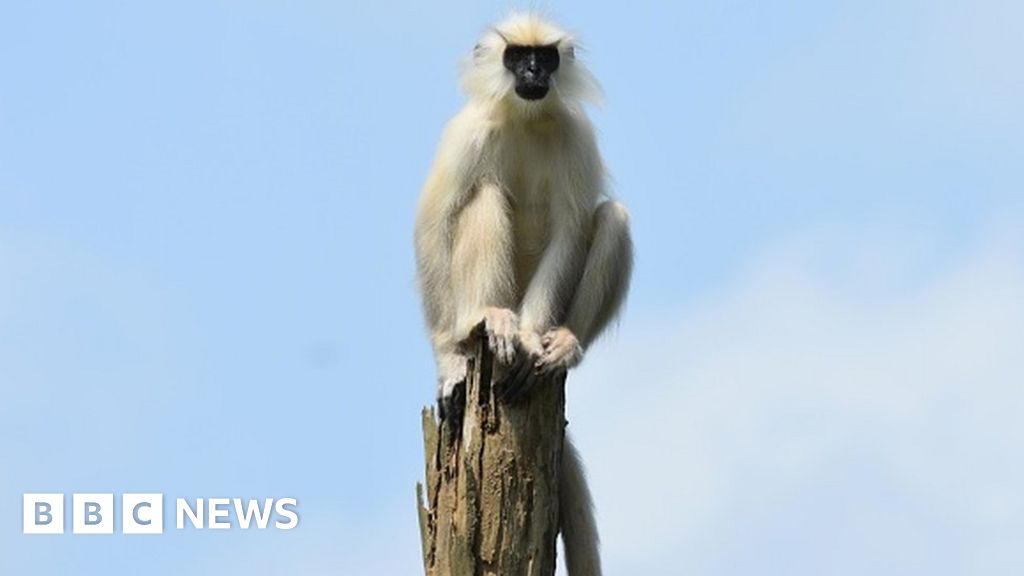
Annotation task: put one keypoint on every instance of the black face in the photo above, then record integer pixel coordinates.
(533, 67)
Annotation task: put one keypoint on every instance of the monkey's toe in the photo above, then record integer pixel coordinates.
(502, 328)
(562, 351)
(503, 348)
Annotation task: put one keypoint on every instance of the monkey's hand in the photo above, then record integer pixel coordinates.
(502, 328)
(562, 351)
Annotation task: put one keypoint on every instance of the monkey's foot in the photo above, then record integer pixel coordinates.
(451, 390)
(502, 328)
(562, 351)
(451, 405)
(523, 375)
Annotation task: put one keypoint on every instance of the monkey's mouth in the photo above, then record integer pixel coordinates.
(532, 91)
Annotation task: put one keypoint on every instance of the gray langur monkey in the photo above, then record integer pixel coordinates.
(516, 230)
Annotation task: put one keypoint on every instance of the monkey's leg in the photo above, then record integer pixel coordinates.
(451, 379)
(599, 294)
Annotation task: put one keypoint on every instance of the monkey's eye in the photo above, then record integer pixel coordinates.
(547, 56)
(514, 54)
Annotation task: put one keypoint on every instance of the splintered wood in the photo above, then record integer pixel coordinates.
(490, 505)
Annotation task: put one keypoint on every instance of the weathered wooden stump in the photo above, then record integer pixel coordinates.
(492, 486)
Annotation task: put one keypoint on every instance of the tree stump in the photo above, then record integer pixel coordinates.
(492, 485)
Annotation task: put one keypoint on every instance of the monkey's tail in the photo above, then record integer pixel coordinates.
(576, 516)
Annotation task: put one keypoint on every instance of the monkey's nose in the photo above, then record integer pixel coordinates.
(532, 68)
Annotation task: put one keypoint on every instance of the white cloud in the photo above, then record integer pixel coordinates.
(796, 427)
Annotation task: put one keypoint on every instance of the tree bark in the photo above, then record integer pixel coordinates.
(492, 485)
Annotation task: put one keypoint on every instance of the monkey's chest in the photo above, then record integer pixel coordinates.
(528, 182)
(530, 203)
(530, 228)
(530, 235)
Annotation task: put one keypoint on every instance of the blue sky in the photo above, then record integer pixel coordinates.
(206, 279)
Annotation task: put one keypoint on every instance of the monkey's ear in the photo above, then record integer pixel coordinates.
(479, 51)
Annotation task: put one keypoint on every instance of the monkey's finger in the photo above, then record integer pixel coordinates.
(546, 363)
(512, 344)
(542, 362)
(504, 351)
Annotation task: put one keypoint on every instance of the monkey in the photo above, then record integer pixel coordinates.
(516, 231)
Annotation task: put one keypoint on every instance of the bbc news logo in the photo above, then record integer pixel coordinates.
(94, 513)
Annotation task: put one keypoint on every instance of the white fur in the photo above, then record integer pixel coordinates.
(515, 229)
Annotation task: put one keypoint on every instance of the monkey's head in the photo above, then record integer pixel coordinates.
(529, 63)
